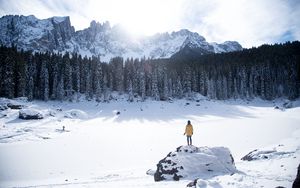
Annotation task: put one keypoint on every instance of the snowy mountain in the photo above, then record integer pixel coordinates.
(30, 33)
(56, 34)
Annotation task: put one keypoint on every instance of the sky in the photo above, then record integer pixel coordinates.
(250, 22)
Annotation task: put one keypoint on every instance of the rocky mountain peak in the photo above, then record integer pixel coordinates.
(56, 34)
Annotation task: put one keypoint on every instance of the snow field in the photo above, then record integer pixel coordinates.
(103, 149)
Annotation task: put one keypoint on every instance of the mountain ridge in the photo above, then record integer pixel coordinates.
(56, 34)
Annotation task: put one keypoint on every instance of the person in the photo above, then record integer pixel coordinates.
(189, 132)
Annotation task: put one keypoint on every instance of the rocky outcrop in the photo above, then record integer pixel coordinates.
(195, 162)
(30, 33)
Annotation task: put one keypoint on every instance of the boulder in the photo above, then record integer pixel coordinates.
(15, 106)
(287, 104)
(263, 154)
(195, 162)
(8, 103)
(29, 114)
(297, 180)
(3, 107)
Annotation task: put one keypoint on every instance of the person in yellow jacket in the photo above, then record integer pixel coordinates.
(189, 132)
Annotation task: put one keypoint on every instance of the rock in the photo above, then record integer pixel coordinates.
(287, 104)
(203, 183)
(3, 107)
(150, 172)
(195, 162)
(15, 106)
(2, 115)
(277, 107)
(249, 156)
(29, 114)
(192, 184)
(263, 154)
(296, 183)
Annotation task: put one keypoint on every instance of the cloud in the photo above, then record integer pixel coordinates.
(250, 22)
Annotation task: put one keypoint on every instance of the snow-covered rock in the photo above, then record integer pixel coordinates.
(30, 113)
(9, 103)
(2, 115)
(75, 114)
(15, 105)
(56, 34)
(195, 162)
(203, 183)
(287, 104)
(264, 154)
(3, 107)
(297, 180)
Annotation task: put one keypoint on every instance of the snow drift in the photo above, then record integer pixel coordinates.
(195, 162)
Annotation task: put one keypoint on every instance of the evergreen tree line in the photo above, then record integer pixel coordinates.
(268, 72)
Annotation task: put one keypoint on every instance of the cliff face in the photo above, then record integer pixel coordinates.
(30, 33)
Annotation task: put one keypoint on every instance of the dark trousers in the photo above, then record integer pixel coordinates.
(189, 140)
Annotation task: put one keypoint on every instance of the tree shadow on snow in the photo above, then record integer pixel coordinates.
(163, 111)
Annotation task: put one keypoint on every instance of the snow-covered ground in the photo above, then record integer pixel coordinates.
(114, 144)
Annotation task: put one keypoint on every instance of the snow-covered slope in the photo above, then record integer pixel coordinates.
(57, 35)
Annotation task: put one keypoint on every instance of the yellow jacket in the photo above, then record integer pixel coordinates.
(189, 130)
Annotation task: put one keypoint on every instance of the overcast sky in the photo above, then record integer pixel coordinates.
(250, 22)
